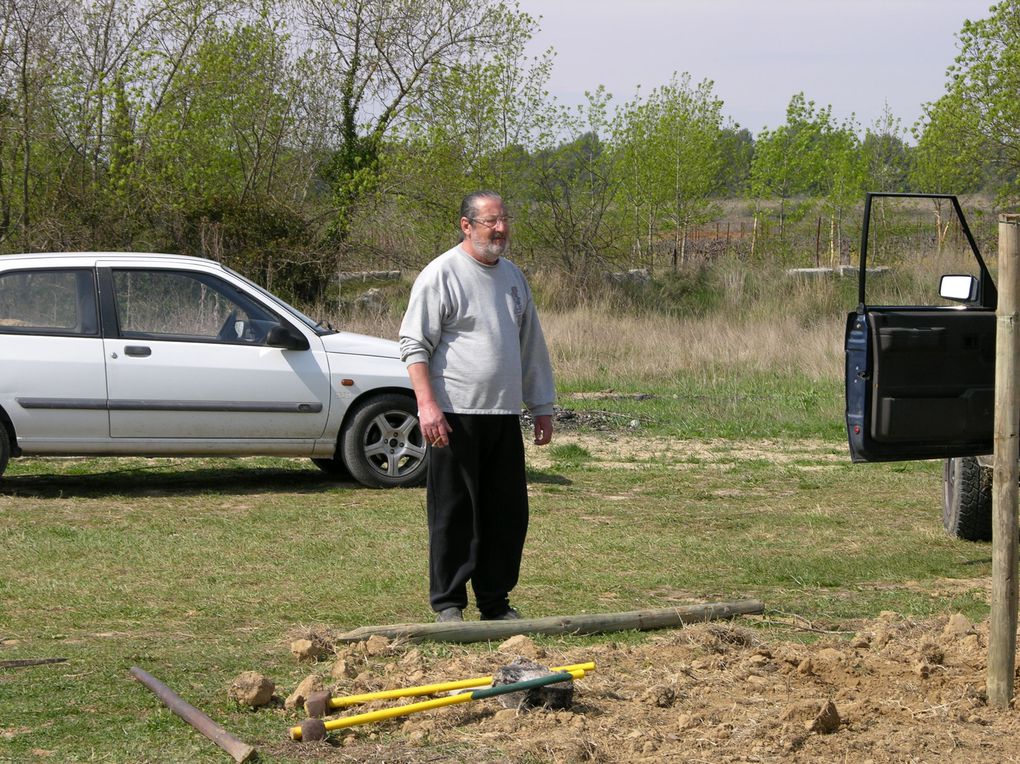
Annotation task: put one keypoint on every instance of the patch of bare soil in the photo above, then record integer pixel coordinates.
(614, 449)
(895, 691)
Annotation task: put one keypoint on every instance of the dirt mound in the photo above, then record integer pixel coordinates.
(895, 691)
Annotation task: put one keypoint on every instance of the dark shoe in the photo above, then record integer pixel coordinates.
(510, 614)
(450, 614)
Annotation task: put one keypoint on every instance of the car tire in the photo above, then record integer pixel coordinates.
(334, 467)
(382, 444)
(967, 499)
(5, 448)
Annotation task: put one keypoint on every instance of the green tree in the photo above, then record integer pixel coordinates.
(843, 176)
(788, 161)
(945, 160)
(221, 143)
(737, 149)
(886, 154)
(8, 125)
(669, 149)
(472, 129)
(979, 109)
(104, 41)
(29, 53)
(378, 58)
(574, 186)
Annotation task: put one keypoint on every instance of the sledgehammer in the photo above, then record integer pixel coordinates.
(320, 703)
(316, 729)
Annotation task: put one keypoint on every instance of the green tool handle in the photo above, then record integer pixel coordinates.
(527, 684)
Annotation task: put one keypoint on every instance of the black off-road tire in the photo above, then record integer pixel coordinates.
(967, 499)
(382, 444)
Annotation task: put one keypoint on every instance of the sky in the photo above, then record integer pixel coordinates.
(854, 55)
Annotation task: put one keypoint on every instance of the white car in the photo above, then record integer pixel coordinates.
(106, 353)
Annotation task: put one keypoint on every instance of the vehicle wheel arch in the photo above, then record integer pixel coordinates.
(355, 404)
(377, 471)
(8, 441)
(335, 465)
(12, 435)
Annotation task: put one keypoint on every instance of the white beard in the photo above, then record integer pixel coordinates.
(489, 250)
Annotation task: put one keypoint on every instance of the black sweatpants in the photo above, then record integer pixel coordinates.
(477, 512)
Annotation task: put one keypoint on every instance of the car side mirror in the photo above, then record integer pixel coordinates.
(959, 288)
(287, 338)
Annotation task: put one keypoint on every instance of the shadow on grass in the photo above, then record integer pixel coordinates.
(548, 478)
(145, 481)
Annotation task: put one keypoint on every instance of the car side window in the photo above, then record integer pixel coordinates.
(49, 301)
(186, 306)
(913, 243)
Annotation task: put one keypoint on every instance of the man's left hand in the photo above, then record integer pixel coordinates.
(543, 429)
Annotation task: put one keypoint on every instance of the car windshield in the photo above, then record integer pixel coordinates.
(319, 327)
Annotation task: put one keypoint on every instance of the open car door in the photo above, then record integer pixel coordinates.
(920, 348)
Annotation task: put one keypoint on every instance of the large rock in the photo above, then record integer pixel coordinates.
(251, 689)
(308, 649)
(523, 646)
(311, 683)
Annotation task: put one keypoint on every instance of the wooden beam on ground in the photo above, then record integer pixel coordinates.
(22, 662)
(1002, 630)
(482, 631)
(238, 749)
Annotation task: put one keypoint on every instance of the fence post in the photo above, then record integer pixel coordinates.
(1002, 629)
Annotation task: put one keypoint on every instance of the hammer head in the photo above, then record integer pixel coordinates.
(556, 696)
(312, 730)
(317, 704)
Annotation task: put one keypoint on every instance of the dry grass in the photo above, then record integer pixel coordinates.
(588, 345)
(591, 343)
(760, 324)
(731, 320)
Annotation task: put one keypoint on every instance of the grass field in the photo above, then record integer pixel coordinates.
(196, 571)
(715, 471)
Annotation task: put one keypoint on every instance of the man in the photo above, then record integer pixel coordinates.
(475, 352)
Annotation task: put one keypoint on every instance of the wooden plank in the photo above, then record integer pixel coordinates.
(1002, 628)
(239, 750)
(598, 623)
(21, 662)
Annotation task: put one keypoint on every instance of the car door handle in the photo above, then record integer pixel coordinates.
(139, 351)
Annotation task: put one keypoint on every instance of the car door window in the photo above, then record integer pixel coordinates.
(186, 306)
(49, 301)
(912, 244)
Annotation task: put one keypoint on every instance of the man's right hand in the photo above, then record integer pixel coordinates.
(434, 427)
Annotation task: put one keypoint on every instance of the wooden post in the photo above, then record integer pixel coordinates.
(1002, 634)
(238, 749)
(585, 623)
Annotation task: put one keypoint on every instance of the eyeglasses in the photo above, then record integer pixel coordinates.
(491, 222)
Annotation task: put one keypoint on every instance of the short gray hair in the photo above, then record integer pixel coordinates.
(469, 204)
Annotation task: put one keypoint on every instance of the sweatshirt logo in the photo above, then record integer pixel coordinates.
(518, 305)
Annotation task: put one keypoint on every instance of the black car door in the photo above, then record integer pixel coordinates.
(920, 365)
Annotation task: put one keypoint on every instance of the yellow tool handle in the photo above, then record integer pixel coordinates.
(432, 689)
(424, 705)
(411, 708)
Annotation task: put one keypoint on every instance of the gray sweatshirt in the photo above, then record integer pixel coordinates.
(476, 327)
